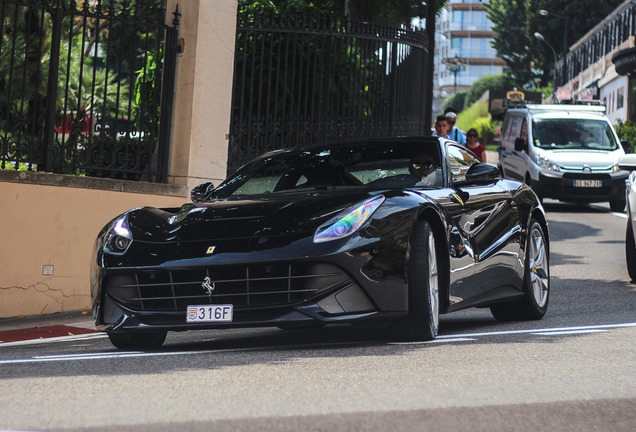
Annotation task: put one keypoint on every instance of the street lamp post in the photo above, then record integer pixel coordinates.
(565, 28)
(542, 39)
(454, 66)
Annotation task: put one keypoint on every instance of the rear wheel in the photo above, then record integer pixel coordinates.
(536, 281)
(630, 251)
(422, 322)
(138, 340)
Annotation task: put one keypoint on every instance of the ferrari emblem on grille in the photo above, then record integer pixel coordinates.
(208, 285)
(210, 250)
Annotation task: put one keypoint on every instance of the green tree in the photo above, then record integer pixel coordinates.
(501, 82)
(511, 40)
(530, 61)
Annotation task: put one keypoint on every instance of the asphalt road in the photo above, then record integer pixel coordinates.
(572, 371)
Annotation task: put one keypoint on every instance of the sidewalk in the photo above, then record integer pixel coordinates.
(46, 326)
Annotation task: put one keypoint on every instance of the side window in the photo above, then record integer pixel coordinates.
(459, 160)
(512, 129)
(524, 130)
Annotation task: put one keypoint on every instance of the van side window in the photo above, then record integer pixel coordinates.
(513, 128)
(524, 130)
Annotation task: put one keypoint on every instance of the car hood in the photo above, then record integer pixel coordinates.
(579, 158)
(285, 214)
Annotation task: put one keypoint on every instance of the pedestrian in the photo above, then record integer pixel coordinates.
(455, 133)
(472, 144)
(441, 127)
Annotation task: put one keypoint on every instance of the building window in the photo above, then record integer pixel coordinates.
(631, 100)
(620, 98)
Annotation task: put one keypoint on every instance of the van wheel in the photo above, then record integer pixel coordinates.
(617, 206)
(528, 181)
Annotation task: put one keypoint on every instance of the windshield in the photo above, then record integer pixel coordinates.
(376, 164)
(573, 134)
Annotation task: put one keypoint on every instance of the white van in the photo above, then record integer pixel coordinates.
(566, 152)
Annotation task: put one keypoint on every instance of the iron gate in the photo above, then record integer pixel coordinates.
(313, 78)
(86, 87)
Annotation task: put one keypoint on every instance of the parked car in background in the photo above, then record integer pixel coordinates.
(566, 152)
(628, 163)
(370, 232)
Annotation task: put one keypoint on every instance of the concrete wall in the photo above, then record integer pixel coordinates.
(46, 228)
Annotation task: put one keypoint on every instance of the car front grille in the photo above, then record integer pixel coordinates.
(245, 287)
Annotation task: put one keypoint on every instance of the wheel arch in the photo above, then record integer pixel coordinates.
(543, 221)
(434, 219)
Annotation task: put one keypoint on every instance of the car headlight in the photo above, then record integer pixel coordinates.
(348, 221)
(118, 238)
(548, 164)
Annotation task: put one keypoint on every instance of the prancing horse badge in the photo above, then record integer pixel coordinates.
(208, 285)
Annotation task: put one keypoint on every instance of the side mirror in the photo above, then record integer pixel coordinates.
(520, 144)
(481, 173)
(625, 145)
(199, 193)
(628, 162)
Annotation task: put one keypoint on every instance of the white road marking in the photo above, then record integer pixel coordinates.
(54, 339)
(565, 329)
(567, 332)
(438, 340)
(561, 331)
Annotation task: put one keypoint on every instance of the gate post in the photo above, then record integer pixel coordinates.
(51, 91)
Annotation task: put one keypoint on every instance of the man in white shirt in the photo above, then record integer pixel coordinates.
(454, 133)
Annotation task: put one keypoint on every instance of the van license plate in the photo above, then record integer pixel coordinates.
(588, 183)
(209, 313)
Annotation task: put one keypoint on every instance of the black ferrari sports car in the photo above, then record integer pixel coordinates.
(371, 232)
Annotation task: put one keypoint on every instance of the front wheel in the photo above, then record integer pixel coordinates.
(422, 321)
(536, 281)
(138, 340)
(617, 206)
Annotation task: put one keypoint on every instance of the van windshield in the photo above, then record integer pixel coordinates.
(573, 134)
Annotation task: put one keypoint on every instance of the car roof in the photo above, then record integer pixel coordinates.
(534, 109)
(360, 142)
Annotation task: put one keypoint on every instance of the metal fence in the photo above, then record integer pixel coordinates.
(86, 87)
(599, 42)
(315, 78)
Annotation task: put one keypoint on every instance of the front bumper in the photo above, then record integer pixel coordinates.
(561, 186)
(347, 287)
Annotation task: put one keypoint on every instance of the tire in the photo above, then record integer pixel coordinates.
(630, 251)
(536, 281)
(422, 321)
(528, 181)
(617, 206)
(138, 340)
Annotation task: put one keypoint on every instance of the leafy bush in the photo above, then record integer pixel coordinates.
(486, 129)
(500, 82)
(477, 116)
(627, 131)
(456, 100)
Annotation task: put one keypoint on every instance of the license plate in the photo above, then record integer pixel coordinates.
(209, 313)
(588, 183)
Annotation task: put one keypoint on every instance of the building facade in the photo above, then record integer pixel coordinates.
(463, 52)
(601, 65)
